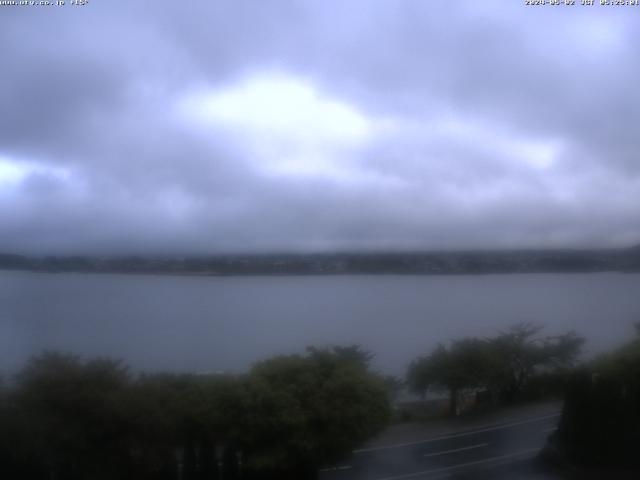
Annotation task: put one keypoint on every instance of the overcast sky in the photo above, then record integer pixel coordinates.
(216, 126)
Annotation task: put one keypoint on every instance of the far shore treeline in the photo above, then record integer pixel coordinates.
(65, 417)
(436, 262)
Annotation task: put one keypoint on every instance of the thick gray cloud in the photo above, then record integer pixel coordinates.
(309, 125)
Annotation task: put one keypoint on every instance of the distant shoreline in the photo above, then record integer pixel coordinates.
(426, 263)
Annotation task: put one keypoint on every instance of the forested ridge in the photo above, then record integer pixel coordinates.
(454, 262)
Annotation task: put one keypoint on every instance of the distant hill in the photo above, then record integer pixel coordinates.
(423, 263)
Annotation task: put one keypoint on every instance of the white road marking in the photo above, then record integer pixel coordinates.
(445, 452)
(332, 469)
(547, 430)
(460, 465)
(457, 435)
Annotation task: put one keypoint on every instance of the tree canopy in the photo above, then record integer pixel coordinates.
(600, 423)
(69, 418)
(501, 365)
(326, 402)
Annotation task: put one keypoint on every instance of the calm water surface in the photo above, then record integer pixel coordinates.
(226, 323)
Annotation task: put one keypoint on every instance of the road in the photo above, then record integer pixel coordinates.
(496, 450)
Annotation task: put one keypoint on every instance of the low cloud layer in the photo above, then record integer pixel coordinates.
(309, 126)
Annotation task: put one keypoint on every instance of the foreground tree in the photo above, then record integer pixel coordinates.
(67, 418)
(309, 410)
(520, 352)
(465, 364)
(502, 365)
(600, 423)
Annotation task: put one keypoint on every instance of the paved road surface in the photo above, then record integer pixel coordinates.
(497, 450)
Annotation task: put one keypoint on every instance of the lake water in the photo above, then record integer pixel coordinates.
(206, 324)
